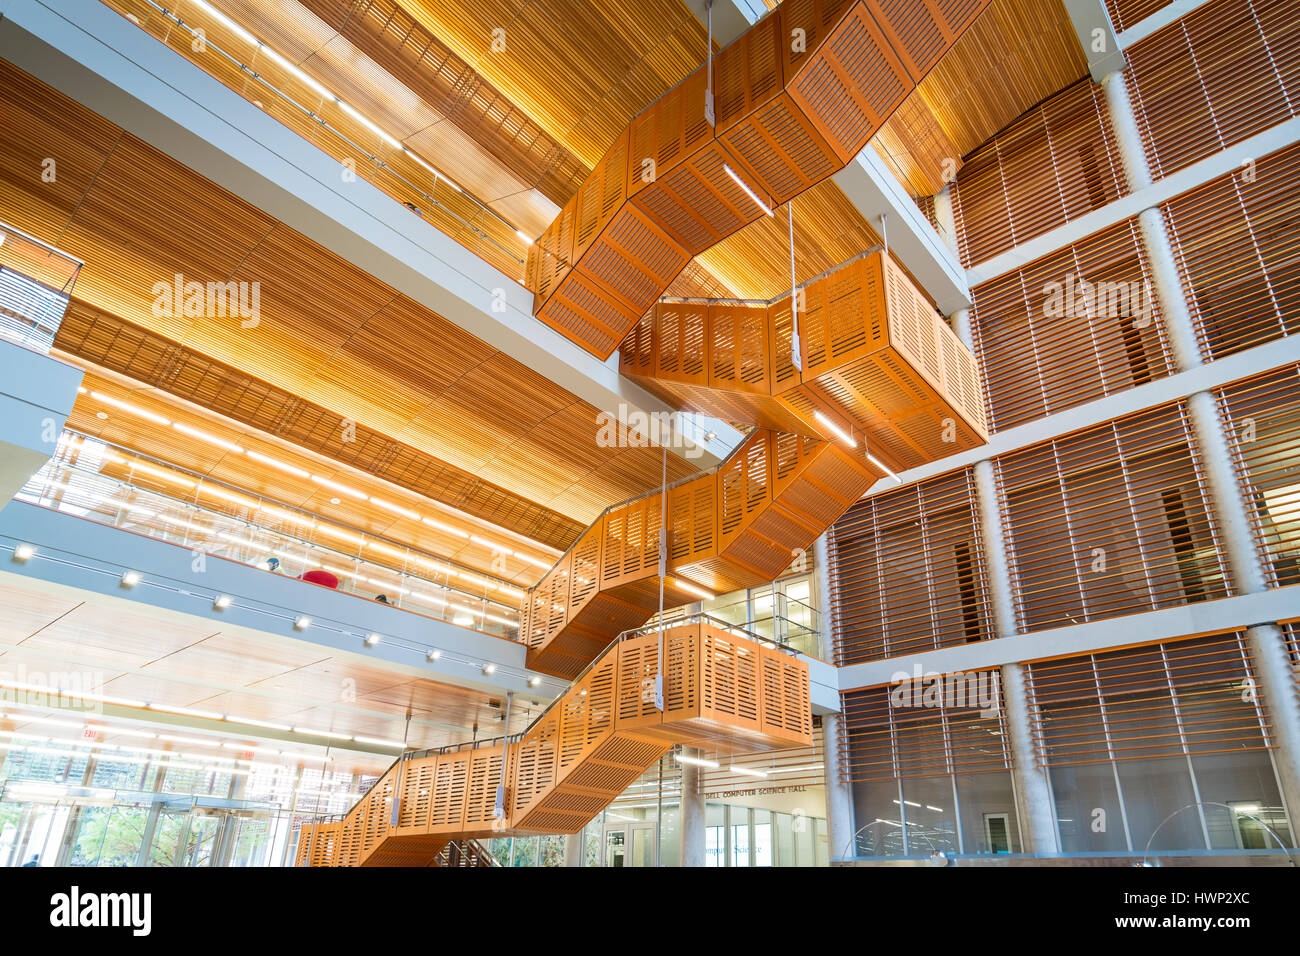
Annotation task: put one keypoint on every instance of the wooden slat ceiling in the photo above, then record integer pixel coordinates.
(329, 334)
(1018, 53)
(254, 676)
(138, 433)
(581, 68)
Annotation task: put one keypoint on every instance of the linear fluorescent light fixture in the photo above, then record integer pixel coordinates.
(748, 192)
(879, 464)
(696, 761)
(747, 771)
(693, 589)
(838, 432)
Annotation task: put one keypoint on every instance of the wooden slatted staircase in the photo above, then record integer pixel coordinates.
(797, 97)
(722, 689)
(876, 361)
(878, 365)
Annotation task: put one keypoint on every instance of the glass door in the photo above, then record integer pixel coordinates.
(631, 844)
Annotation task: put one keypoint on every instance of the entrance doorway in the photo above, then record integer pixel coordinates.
(629, 844)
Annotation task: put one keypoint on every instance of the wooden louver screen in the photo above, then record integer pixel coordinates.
(1126, 14)
(1180, 697)
(1110, 520)
(1237, 243)
(1055, 163)
(1047, 342)
(880, 741)
(1217, 76)
(1263, 422)
(908, 571)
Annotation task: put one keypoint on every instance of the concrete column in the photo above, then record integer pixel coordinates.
(840, 828)
(690, 830)
(573, 849)
(946, 220)
(825, 615)
(1123, 124)
(1034, 803)
(961, 325)
(1276, 689)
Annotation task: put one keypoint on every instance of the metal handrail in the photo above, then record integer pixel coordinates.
(716, 468)
(285, 506)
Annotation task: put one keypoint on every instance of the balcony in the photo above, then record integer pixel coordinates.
(36, 283)
(261, 532)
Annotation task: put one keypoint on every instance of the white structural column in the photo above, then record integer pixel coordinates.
(1245, 563)
(1034, 805)
(573, 849)
(690, 832)
(839, 792)
(839, 797)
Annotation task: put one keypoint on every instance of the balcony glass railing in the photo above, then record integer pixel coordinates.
(268, 78)
(268, 534)
(35, 285)
(776, 620)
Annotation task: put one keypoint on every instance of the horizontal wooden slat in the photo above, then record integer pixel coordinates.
(1070, 327)
(884, 741)
(1215, 77)
(1110, 520)
(1262, 415)
(1159, 700)
(908, 572)
(1237, 243)
(1054, 164)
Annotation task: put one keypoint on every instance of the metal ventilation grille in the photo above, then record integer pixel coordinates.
(1158, 700)
(1068, 328)
(1262, 415)
(1110, 520)
(1055, 163)
(908, 572)
(1215, 77)
(1126, 14)
(1235, 245)
(880, 741)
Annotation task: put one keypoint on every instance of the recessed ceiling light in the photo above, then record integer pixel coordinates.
(130, 579)
(102, 416)
(302, 622)
(335, 501)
